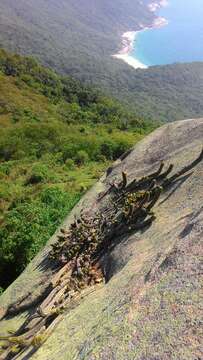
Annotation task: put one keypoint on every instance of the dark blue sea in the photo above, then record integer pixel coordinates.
(179, 41)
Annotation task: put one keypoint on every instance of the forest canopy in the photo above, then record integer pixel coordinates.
(78, 38)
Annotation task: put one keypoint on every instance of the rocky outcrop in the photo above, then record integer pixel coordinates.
(148, 307)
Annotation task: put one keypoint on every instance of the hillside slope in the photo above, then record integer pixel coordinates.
(61, 33)
(149, 307)
(56, 138)
(78, 38)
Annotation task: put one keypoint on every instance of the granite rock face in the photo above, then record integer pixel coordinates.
(150, 306)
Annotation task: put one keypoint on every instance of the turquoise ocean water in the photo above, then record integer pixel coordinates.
(179, 41)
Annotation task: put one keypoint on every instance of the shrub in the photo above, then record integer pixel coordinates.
(123, 126)
(120, 148)
(82, 130)
(70, 164)
(40, 173)
(110, 130)
(81, 157)
(27, 228)
(112, 150)
(107, 150)
(6, 167)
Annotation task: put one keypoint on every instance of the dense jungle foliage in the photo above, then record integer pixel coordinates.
(78, 37)
(56, 138)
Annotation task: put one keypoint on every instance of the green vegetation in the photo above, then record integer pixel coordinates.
(57, 137)
(74, 36)
(79, 40)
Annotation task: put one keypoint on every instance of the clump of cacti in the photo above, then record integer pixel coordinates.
(78, 251)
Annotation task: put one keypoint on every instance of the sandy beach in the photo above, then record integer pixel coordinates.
(128, 40)
(129, 37)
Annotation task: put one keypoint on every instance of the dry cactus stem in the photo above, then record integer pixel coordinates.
(78, 252)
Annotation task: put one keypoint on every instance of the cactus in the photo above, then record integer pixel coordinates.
(79, 249)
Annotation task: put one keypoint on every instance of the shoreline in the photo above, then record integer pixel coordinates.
(129, 37)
